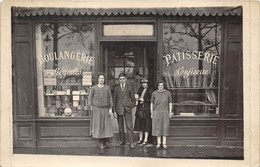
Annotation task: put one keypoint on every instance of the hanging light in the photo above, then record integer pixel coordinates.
(47, 41)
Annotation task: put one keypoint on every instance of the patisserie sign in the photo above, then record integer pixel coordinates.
(189, 55)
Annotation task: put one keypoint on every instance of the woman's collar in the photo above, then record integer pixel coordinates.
(161, 90)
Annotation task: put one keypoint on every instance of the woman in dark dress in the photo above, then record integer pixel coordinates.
(143, 121)
(161, 112)
(100, 100)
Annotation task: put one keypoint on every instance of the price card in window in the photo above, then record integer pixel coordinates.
(49, 77)
(87, 78)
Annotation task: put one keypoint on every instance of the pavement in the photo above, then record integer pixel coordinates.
(174, 151)
(190, 151)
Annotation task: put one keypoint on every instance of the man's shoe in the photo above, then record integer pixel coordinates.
(107, 144)
(132, 145)
(120, 144)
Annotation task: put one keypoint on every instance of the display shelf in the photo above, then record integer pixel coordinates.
(65, 95)
(196, 116)
(194, 104)
(184, 93)
(65, 117)
(192, 88)
(61, 118)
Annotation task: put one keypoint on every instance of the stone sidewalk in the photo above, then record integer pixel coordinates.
(194, 152)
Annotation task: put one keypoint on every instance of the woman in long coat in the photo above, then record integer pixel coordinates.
(143, 121)
(100, 100)
(161, 112)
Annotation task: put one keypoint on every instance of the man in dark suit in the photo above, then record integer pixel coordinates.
(124, 102)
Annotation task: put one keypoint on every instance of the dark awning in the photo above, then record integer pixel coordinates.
(194, 11)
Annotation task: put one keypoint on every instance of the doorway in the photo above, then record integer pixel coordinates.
(135, 59)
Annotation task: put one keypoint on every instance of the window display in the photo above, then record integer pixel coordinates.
(191, 53)
(65, 59)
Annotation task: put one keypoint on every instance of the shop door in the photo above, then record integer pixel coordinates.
(135, 59)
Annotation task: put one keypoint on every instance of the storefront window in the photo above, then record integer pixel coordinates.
(65, 59)
(191, 59)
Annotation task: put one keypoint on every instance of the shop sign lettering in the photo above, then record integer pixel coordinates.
(61, 74)
(188, 72)
(66, 55)
(188, 55)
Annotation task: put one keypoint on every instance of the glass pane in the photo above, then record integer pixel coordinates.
(65, 64)
(111, 57)
(132, 83)
(191, 54)
(119, 62)
(111, 83)
(128, 30)
(111, 73)
(129, 72)
(130, 61)
(118, 71)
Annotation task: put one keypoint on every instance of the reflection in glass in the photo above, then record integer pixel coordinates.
(119, 61)
(129, 72)
(111, 55)
(111, 83)
(191, 53)
(129, 61)
(111, 73)
(118, 71)
(65, 59)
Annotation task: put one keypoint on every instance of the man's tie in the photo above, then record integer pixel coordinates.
(123, 86)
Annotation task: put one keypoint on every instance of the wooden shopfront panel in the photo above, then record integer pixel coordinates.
(24, 103)
(232, 88)
(23, 79)
(64, 133)
(194, 132)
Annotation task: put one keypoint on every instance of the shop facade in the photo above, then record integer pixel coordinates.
(57, 53)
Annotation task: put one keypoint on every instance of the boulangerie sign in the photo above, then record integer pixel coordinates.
(66, 55)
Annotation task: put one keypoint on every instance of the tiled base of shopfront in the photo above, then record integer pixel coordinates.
(194, 152)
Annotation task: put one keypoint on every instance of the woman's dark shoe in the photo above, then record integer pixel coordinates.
(144, 143)
(139, 142)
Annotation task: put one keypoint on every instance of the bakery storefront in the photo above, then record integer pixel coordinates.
(57, 53)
